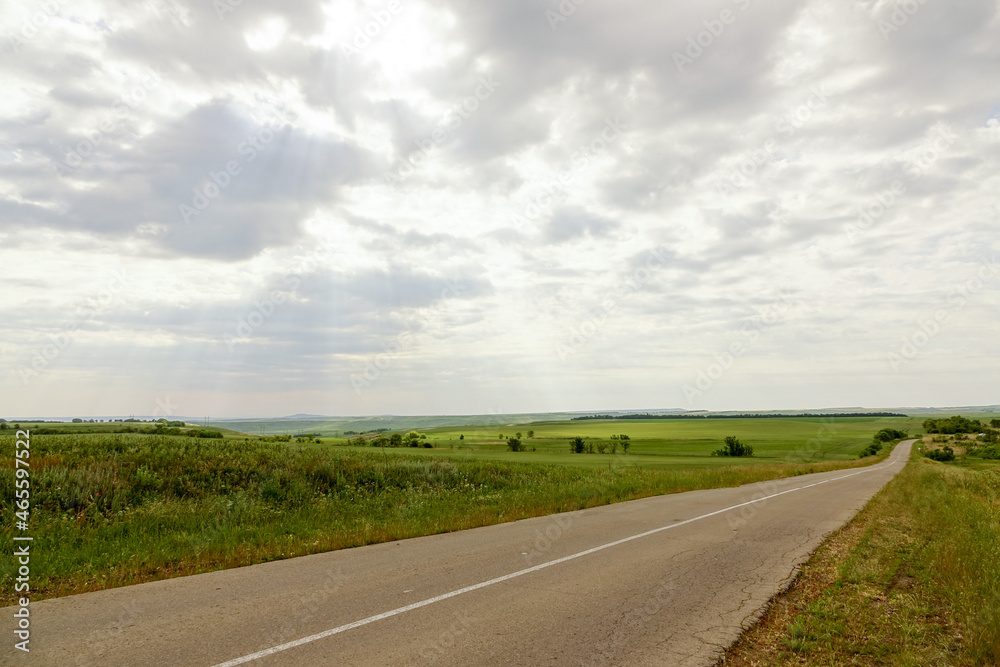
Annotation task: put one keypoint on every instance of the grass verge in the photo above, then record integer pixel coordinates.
(914, 580)
(111, 510)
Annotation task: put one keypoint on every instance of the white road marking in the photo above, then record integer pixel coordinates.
(507, 577)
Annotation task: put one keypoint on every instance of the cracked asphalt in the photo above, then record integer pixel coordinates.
(676, 597)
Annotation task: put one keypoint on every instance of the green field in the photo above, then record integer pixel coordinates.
(666, 444)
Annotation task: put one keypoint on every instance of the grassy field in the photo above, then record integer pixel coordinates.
(109, 510)
(912, 581)
(666, 444)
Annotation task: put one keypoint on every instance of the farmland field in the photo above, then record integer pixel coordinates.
(666, 444)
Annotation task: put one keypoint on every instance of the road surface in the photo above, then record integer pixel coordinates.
(670, 580)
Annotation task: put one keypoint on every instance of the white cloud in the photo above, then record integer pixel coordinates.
(759, 169)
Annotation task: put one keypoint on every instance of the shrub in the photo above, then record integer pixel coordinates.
(944, 454)
(515, 445)
(576, 445)
(871, 450)
(992, 452)
(734, 448)
(956, 424)
(889, 434)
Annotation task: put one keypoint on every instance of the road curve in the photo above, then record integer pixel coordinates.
(670, 580)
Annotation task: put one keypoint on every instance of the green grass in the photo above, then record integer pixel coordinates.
(913, 580)
(110, 510)
(668, 444)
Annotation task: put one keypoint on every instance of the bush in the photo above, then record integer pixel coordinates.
(944, 454)
(889, 434)
(956, 424)
(992, 453)
(871, 450)
(515, 445)
(734, 448)
(200, 433)
(576, 445)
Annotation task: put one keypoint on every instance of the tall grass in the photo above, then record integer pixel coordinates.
(110, 510)
(959, 509)
(913, 580)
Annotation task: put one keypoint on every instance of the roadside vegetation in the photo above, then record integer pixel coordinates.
(115, 509)
(912, 581)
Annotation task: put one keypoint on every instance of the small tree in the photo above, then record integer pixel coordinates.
(461, 437)
(514, 445)
(396, 440)
(518, 435)
(995, 423)
(625, 444)
(734, 448)
(576, 445)
(602, 448)
(531, 434)
(614, 446)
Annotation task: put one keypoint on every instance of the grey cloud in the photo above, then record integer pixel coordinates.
(570, 224)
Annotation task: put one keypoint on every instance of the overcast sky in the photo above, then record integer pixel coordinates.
(261, 208)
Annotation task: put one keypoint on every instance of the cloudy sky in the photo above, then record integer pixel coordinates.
(258, 208)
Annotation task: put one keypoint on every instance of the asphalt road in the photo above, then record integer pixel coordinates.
(669, 581)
